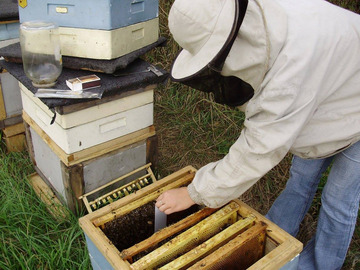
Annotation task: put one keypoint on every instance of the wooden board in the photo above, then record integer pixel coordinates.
(53, 204)
(14, 138)
(14, 130)
(16, 143)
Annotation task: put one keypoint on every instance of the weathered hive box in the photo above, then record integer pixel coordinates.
(105, 29)
(87, 127)
(14, 137)
(121, 235)
(10, 100)
(89, 14)
(70, 175)
(108, 44)
(9, 29)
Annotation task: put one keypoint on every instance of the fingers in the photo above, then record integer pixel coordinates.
(174, 200)
(166, 208)
(163, 205)
(159, 202)
(169, 211)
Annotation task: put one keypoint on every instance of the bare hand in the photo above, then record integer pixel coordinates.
(174, 200)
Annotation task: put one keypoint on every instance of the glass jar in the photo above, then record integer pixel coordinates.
(41, 54)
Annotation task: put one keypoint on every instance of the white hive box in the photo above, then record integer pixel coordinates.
(90, 14)
(91, 126)
(108, 44)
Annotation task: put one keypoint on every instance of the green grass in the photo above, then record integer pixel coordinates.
(192, 130)
(193, 127)
(30, 237)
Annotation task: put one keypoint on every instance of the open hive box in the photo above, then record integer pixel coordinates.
(121, 234)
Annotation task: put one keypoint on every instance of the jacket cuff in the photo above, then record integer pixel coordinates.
(194, 195)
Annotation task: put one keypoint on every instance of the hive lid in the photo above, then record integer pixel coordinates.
(12, 53)
(111, 85)
(9, 10)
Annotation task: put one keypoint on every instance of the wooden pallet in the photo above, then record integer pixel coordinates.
(47, 196)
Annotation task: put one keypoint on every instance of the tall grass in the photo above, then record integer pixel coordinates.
(192, 130)
(30, 236)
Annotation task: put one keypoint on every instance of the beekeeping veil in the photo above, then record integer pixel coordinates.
(206, 30)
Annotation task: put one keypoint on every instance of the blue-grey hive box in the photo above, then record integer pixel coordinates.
(9, 30)
(89, 14)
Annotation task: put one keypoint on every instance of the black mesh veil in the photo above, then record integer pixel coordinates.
(228, 90)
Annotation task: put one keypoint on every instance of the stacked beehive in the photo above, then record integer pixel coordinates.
(86, 147)
(10, 100)
(79, 145)
(104, 29)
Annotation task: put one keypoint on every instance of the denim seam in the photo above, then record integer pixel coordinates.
(357, 161)
(353, 224)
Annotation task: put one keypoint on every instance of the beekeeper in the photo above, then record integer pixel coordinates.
(301, 60)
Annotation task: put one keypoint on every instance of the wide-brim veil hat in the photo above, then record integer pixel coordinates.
(202, 29)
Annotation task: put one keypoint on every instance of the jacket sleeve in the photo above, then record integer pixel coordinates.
(274, 118)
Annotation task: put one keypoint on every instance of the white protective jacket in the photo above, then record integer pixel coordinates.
(303, 60)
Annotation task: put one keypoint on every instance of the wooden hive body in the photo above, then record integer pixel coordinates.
(108, 44)
(88, 127)
(232, 237)
(90, 14)
(73, 175)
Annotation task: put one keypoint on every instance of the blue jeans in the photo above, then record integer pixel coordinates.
(339, 206)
